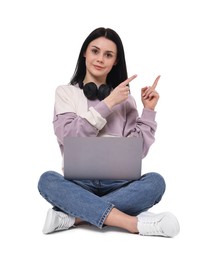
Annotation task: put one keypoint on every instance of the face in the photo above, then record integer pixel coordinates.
(100, 57)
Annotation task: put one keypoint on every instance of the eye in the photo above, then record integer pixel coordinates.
(109, 55)
(95, 51)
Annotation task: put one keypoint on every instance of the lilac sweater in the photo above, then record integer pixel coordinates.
(75, 115)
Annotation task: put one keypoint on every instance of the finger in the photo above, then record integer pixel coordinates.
(155, 82)
(126, 91)
(147, 95)
(152, 95)
(146, 91)
(127, 81)
(143, 90)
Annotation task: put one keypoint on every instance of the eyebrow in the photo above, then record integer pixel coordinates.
(99, 49)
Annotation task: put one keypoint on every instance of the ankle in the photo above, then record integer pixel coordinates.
(133, 223)
(77, 221)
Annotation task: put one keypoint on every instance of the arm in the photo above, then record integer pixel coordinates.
(143, 126)
(68, 122)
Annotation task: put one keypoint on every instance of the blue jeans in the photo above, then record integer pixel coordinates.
(92, 200)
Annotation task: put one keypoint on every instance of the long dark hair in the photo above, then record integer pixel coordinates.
(118, 73)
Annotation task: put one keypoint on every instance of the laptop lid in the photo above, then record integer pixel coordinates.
(102, 157)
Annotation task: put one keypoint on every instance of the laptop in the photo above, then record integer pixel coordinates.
(111, 158)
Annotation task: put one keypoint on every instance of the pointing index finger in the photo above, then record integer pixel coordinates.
(155, 82)
(127, 81)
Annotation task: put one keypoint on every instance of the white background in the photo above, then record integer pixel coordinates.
(39, 46)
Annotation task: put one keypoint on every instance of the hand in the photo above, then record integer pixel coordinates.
(149, 96)
(119, 94)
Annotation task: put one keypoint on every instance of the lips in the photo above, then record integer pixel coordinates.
(98, 67)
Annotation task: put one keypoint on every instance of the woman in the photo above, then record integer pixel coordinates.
(97, 102)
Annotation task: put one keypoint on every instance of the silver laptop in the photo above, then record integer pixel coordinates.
(102, 157)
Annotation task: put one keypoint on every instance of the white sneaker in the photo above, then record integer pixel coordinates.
(164, 224)
(57, 220)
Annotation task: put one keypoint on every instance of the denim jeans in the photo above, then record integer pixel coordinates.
(92, 200)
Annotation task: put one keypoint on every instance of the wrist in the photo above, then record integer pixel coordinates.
(109, 102)
(150, 108)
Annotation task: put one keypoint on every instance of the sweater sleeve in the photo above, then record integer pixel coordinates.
(141, 126)
(69, 120)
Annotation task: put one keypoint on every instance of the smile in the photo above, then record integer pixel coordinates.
(98, 67)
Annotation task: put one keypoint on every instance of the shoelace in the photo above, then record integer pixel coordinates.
(150, 227)
(64, 221)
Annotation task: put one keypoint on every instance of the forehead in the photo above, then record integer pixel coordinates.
(103, 44)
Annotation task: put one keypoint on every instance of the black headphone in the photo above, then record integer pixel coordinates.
(92, 92)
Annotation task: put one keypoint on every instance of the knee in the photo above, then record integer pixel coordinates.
(158, 182)
(46, 180)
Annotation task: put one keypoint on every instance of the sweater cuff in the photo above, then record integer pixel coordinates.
(148, 114)
(97, 115)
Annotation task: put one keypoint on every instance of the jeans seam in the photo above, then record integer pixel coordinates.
(104, 215)
(99, 224)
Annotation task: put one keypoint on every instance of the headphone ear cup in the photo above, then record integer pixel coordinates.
(103, 91)
(90, 90)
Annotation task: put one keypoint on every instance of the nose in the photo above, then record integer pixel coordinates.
(100, 58)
